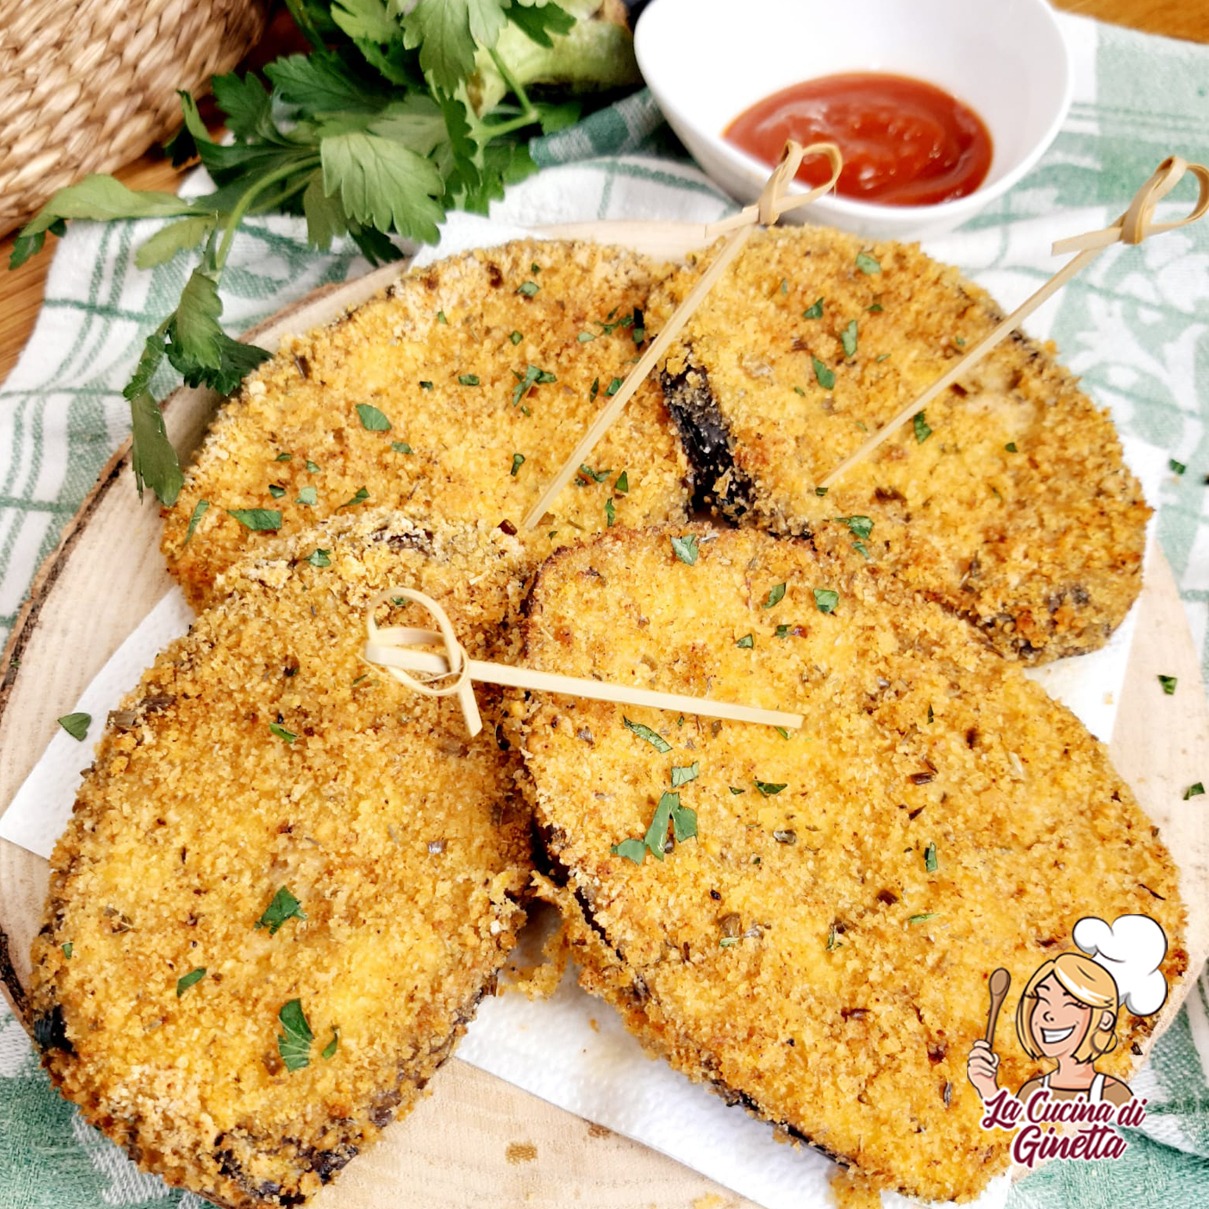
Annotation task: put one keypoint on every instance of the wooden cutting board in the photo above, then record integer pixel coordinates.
(477, 1138)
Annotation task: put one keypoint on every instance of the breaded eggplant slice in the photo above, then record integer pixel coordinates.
(1006, 499)
(272, 822)
(455, 395)
(819, 950)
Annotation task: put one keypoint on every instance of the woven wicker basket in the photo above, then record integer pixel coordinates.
(89, 86)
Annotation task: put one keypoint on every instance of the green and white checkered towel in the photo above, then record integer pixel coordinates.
(1136, 328)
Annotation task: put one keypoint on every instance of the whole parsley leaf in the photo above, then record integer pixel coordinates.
(446, 32)
(152, 457)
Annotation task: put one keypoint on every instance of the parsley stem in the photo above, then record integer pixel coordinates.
(521, 95)
(245, 202)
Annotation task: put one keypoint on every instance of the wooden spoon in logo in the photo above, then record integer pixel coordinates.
(998, 985)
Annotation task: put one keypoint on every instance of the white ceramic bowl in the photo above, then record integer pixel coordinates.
(706, 61)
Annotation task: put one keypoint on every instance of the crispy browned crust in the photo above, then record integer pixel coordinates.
(441, 355)
(852, 981)
(402, 839)
(1016, 511)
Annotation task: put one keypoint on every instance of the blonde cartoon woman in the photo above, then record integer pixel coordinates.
(1069, 1010)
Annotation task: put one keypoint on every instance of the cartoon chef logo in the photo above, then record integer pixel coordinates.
(1067, 1018)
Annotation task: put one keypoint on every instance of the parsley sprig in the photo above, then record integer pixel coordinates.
(398, 113)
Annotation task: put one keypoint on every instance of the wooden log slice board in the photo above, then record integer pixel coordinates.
(476, 1138)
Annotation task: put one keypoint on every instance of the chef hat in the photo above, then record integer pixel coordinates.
(1130, 949)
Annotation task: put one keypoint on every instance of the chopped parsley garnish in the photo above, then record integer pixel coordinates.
(832, 940)
(823, 376)
(685, 549)
(781, 731)
(329, 1050)
(585, 337)
(622, 486)
(610, 513)
(930, 862)
(276, 491)
(528, 288)
(614, 386)
(311, 467)
(682, 776)
(360, 498)
(639, 329)
(770, 788)
(825, 599)
(425, 384)
(76, 725)
(868, 264)
(747, 642)
(280, 731)
(67, 950)
(814, 310)
(656, 740)
(783, 631)
(401, 447)
(190, 979)
(515, 337)
(669, 810)
(848, 339)
(735, 790)
(861, 526)
(320, 558)
(441, 317)
(632, 850)
(821, 491)
(597, 476)
(919, 919)
(294, 1045)
(920, 424)
(372, 420)
(1011, 447)
(1168, 683)
(308, 497)
(728, 942)
(1177, 467)
(283, 457)
(518, 460)
(931, 715)
(526, 381)
(594, 390)
(468, 379)
(284, 906)
(199, 510)
(875, 309)
(257, 519)
(1193, 791)
(775, 595)
(797, 390)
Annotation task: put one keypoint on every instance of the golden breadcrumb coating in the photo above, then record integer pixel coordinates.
(1007, 500)
(819, 951)
(488, 368)
(260, 754)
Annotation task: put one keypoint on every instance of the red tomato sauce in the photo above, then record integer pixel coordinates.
(905, 142)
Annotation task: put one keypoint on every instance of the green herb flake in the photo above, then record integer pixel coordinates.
(622, 486)
(518, 460)
(199, 510)
(425, 384)
(284, 906)
(528, 288)
(770, 788)
(76, 725)
(848, 339)
(283, 457)
(775, 595)
(833, 941)
(822, 375)
(960, 341)
(1177, 467)
(919, 919)
(401, 447)
(526, 381)
(931, 715)
(596, 476)
(746, 642)
(280, 731)
(67, 950)
(632, 850)
(294, 1044)
(684, 821)
(781, 731)
(1168, 683)
(515, 337)
(784, 285)
(308, 497)
(594, 389)
(1011, 447)
(372, 420)
(683, 775)
(276, 491)
(728, 942)
(610, 513)
(468, 379)
(441, 317)
(312, 468)
(783, 631)
(685, 549)
(329, 1050)
(656, 740)
(797, 390)
(360, 498)
(320, 558)
(860, 526)
(814, 310)
(735, 790)
(920, 424)
(190, 979)
(1193, 791)
(875, 309)
(821, 491)
(869, 265)
(260, 520)
(586, 337)
(930, 862)
(825, 599)
(614, 386)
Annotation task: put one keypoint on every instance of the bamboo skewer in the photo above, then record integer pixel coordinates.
(392, 648)
(1131, 228)
(773, 203)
